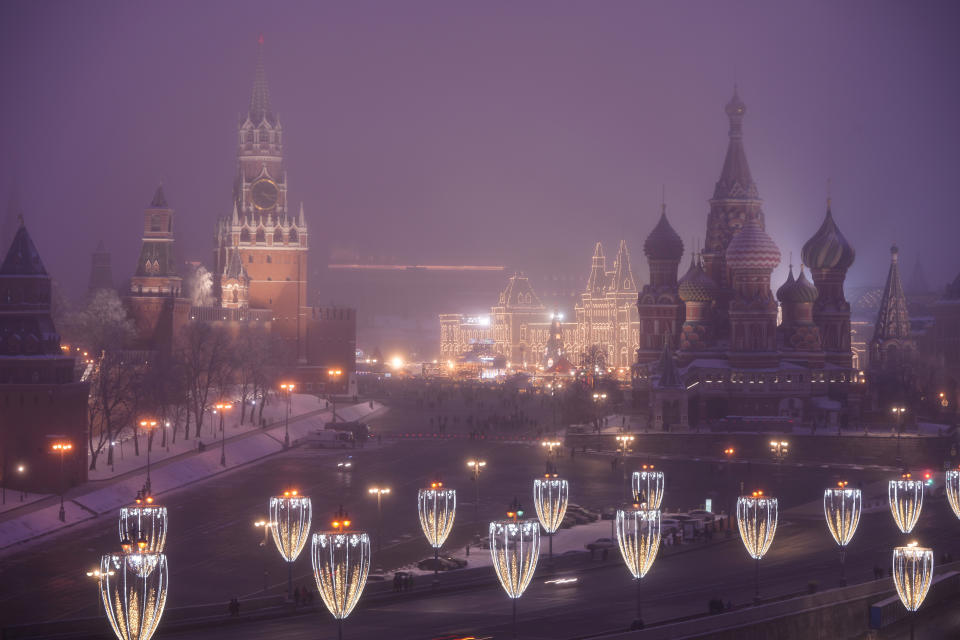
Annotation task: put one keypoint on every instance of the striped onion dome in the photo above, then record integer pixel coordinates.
(797, 290)
(828, 249)
(752, 248)
(696, 285)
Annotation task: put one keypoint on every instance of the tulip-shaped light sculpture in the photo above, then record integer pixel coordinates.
(341, 562)
(757, 519)
(638, 535)
(515, 548)
(437, 508)
(145, 523)
(912, 573)
(550, 496)
(290, 517)
(648, 487)
(952, 482)
(841, 507)
(133, 587)
(906, 500)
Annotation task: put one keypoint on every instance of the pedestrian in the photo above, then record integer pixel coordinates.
(396, 583)
(468, 549)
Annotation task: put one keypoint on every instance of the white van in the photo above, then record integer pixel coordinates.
(327, 439)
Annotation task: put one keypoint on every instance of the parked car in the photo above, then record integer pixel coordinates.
(600, 543)
(609, 513)
(443, 563)
(345, 464)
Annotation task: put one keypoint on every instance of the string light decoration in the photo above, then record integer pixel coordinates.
(757, 519)
(133, 588)
(290, 518)
(638, 536)
(841, 508)
(906, 500)
(146, 523)
(912, 574)
(550, 497)
(437, 508)
(952, 482)
(341, 562)
(648, 487)
(515, 549)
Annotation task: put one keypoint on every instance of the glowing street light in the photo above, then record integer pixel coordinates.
(133, 588)
(148, 426)
(476, 465)
(841, 507)
(647, 487)
(898, 411)
(290, 516)
(912, 574)
(550, 446)
(62, 447)
(437, 507)
(223, 407)
(638, 536)
(757, 520)
(379, 492)
(515, 549)
(95, 574)
(551, 496)
(952, 482)
(905, 497)
(287, 388)
(144, 522)
(623, 442)
(341, 563)
(265, 525)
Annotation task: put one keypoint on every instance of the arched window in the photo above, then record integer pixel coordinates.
(245, 235)
(261, 236)
(277, 236)
(264, 136)
(269, 260)
(293, 235)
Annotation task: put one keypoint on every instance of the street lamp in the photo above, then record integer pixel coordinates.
(437, 507)
(623, 441)
(476, 465)
(905, 497)
(638, 536)
(779, 449)
(148, 425)
(912, 574)
(222, 407)
(145, 523)
(62, 447)
(757, 520)
(341, 562)
(598, 397)
(647, 486)
(133, 587)
(379, 492)
(550, 497)
(266, 524)
(290, 517)
(841, 507)
(515, 549)
(952, 482)
(95, 574)
(287, 387)
(898, 411)
(550, 445)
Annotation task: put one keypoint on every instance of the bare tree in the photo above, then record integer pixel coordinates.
(204, 355)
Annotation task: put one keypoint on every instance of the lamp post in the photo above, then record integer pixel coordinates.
(266, 524)
(757, 519)
(550, 446)
(623, 441)
(133, 587)
(906, 500)
(550, 497)
(952, 482)
(912, 574)
(729, 453)
(841, 507)
(476, 465)
(437, 507)
(638, 536)
(899, 411)
(598, 397)
(148, 426)
(379, 492)
(223, 407)
(647, 487)
(62, 447)
(779, 449)
(341, 563)
(515, 549)
(287, 387)
(290, 517)
(95, 574)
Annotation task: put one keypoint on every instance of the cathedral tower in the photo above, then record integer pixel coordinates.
(751, 257)
(892, 343)
(659, 308)
(268, 236)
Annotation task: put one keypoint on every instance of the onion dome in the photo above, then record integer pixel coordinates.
(828, 249)
(752, 248)
(797, 291)
(696, 285)
(663, 243)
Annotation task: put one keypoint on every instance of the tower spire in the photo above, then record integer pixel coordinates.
(736, 181)
(893, 321)
(260, 108)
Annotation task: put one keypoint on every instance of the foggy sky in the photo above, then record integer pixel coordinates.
(515, 133)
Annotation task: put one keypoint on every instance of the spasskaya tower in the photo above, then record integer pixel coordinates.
(269, 238)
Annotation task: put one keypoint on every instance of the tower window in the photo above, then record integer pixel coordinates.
(293, 235)
(277, 237)
(155, 223)
(245, 235)
(261, 236)
(269, 260)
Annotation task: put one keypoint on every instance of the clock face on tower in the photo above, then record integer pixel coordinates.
(264, 194)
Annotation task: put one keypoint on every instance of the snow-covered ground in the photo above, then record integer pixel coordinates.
(15, 499)
(170, 474)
